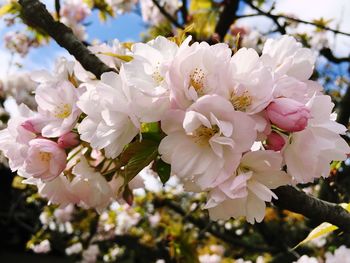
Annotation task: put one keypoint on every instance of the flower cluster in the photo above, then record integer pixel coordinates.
(72, 13)
(235, 126)
(18, 42)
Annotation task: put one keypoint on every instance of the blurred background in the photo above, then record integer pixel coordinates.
(165, 224)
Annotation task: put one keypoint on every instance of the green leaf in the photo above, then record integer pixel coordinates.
(140, 155)
(163, 169)
(322, 229)
(150, 127)
(5, 9)
(200, 5)
(125, 58)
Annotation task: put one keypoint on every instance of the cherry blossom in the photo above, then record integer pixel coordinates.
(109, 124)
(146, 76)
(57, 108)
(196, 70)
(246, 191)
(45, 160)
(90, 187)
(206, 142)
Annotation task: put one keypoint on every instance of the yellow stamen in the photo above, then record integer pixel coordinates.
(45, 156)
(63, 111)
(241, 102)
(197, 80)
(203, 134)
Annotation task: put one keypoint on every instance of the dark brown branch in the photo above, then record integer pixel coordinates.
(313, 24)
(227, 17)
(281, 29)
(268, 14)
(327, 53)
(320, 211)
(344, 109)
(211, 227)
(167, 15)
(58, 8)
(184, 12)
(35, 15)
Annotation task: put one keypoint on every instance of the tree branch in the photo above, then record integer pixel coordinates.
(268, 14)
(227, 17)
(318, 210)
(184, 12)
(167, 15)
(327, 53)
(281, 29)
(35, 15)
(313, 24)
(344, 109)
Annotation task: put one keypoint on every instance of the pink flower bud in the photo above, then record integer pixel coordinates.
(68, 140)
(29, 126)
(45, 160)
(288, 114)
(275, 142)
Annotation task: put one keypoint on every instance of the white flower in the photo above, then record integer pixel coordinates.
(90, 187)
(45, 160)
(245, 193)
(57, 191)
(151, 13)
(58, 112)
(122, 6)
(43, 247)
(63, 71)
(309, 152)
(306, 259)
(341, 254)
(196, 71)
(126, 218)
(249, 84)
(146, 74)
(207, 258)
(75, 10)
(90, 255)
(109, 124)
(78, 29)
(286, 56)
(64, 214)
(74, 249)
(17, 42)
(205, 143)
(14, 140)
(295, 89)
(20, 86)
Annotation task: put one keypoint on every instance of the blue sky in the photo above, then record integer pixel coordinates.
(125, 27)
(129, 26)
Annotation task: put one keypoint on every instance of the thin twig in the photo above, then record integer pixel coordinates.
(167, 15)
(280, 27)
(227, 17)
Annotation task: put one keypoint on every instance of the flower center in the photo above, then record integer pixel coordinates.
(202, 134)
(157, 77)
(243, 169)
(45, 156)
(241, 102)
(63, 111)
(197, 80)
